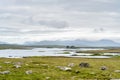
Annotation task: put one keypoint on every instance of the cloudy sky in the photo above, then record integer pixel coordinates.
(36, 20)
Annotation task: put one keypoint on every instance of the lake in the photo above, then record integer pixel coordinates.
(18, 53)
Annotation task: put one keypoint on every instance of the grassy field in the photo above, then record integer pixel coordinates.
(101, 51)
(46, 68)
(15, 46)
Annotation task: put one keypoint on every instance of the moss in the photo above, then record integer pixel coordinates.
(45, 67)
(66, 52)
(97, 54)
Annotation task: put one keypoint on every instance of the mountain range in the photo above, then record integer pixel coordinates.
(80, 43)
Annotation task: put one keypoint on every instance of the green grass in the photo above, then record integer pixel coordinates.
(66, 52)
(5, 46)
(44, 68)
(97, 54)
(101, 51)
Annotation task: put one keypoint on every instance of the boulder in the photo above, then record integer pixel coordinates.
(71, 65)
(7, 62)
(5, 72)
(64, 68)
(17, 66)
(85, 65)
(103, 68)
(28, 72)
(117, 71)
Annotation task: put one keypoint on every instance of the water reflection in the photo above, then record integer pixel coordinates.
(16, 53)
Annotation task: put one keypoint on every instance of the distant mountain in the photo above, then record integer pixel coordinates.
(3, 42)
(80, 43)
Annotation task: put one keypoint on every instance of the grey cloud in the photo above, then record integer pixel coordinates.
(45, 31)
(9, 31)
(81, 5)
(54, 23)
(27, 17)
(13, 32)
(90, 5)
(99, 30)
(48, 23)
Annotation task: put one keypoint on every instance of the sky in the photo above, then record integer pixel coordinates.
(37, 20)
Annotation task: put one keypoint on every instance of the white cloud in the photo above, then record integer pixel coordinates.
(29, 20)
(106, 1)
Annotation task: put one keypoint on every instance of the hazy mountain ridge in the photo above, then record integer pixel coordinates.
(82, 43)
(3, 42)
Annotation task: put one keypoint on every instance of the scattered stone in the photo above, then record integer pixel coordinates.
(29, 72)
(71, 65)
(77, 71)
(47, 78)
(85, 65)
(103, 68)
(117, 71)
(17, 66)
(26, 64)
(5, 72)
(37, 64)
(18, 63)
(7, 62)
(64, 68)
(0, 67)
(92, 73)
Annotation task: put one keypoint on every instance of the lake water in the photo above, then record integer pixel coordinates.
(16, 53)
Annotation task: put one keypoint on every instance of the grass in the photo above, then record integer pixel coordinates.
(5, 46)
(101, 51)
(44, 68)
(97, 54)
(66, 52)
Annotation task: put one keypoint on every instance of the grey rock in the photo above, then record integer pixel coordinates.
(5, 72)
(29, 72)
(7, 62)
(64, 68)
(71, 65)
(85, 65)
(103, 68)
(77, 71)
(117, 71)
(47, 78)
(17, 66)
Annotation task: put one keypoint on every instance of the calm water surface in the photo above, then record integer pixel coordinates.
(16, 53)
